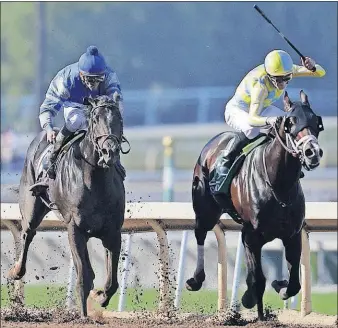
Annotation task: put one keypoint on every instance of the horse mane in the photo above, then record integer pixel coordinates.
(105, 100)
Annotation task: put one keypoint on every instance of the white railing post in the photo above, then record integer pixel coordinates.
(125, 274)
(180, 272)
(221, 268)
(234, 304)
(306, 304)
(70, 298)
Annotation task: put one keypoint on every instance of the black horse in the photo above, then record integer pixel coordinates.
(265, 195)
(89, 195)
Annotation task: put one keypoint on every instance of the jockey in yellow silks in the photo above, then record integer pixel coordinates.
(251, 109)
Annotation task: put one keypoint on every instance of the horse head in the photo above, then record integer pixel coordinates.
(105, 128)
(300, 128)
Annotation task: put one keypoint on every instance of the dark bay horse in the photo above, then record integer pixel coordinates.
(267, 196)
(89, 194)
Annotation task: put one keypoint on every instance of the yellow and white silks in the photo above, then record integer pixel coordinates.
(254, 97)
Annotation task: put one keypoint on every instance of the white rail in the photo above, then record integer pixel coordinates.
(163, 216)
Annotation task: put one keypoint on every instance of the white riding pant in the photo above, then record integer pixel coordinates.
(237, 117)
(75, 118)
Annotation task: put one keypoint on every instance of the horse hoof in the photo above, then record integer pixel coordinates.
(108, 295)
(100, 297)
(283, 294)
(293, 289)
(261, 317)
(96, 295)
(15, 274)
(249, 300)
(278, 285)
(193, 285)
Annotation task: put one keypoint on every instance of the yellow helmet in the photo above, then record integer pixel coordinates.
(278, 63)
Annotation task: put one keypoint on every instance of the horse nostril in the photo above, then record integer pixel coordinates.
(308, 152)
(321, 152)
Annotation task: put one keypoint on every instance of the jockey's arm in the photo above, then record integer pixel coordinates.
(112, 85)
(303, 71)
(258, 95)
(56, 95)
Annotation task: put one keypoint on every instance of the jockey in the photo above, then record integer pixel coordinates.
(250, 109)
(89, 77)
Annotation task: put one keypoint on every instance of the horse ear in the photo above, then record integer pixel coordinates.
(304, 99)
(89, 101)
(116, 96)
(287, 102)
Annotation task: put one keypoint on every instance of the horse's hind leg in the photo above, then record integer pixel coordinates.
(33, 212)
(253, 243)
(78, 245)
(293, 249)
(207, 214)
(111, 241)
(195, 283)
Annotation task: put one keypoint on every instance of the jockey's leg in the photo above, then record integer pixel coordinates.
(75, 119)
(225, 160)
(60, 138)
(237, 118)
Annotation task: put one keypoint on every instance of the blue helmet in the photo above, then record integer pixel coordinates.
(92, 62)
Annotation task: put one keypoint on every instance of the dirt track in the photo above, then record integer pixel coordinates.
(66, 319)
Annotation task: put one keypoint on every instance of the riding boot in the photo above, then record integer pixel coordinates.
(225, 160)
(60, 138)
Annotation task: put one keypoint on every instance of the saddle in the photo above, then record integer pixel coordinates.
(41, 175)
(225, 197)
(238, 162)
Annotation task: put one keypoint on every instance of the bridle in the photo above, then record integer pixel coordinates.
(292, 147)
(118, 140)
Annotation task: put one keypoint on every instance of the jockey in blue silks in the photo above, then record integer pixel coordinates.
(89, 77)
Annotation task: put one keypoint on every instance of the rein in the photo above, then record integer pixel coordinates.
(293, 151)
(268, 182)
(118, 140)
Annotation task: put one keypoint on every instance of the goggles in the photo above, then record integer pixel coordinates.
(281, 79)
(94, 78)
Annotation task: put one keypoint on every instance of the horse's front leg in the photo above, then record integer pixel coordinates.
(85, 276)
(111, 240)
(33, 212)
(253, 243)
(293, 250)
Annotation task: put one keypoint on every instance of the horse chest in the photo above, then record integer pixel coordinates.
(280, 222)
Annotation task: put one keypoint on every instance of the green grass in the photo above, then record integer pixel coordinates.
(204, 301)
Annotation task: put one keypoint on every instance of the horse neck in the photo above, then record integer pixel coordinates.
(282, 168)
